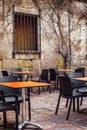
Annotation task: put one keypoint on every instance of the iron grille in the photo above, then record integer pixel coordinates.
(26, 33)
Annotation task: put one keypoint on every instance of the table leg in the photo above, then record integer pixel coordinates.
(24, 121)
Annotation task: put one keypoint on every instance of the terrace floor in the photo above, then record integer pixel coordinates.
(43, 109)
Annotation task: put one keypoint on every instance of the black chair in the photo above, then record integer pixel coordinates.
(76, 83)
(4, 107)
(4, 73)
(19, 76)
(54, 77)
(80, 70)
(67, 91)
(79, 84)
(13, 91)
(43, 77)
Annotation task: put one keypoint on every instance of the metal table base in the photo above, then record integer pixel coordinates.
(25, 123)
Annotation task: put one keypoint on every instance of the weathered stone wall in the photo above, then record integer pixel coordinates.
(6, 34)
(78, 38)
(48, 47)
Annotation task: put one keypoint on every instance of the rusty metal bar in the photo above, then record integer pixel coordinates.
(13, 54)
(24, 33)
(34, 22)
(30, 33)
(27, 23)
(17, 32)
(21, 34)
(39, 34)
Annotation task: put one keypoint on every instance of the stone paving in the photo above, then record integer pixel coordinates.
(43, 109)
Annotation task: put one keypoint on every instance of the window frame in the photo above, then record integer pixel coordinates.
(37, 36)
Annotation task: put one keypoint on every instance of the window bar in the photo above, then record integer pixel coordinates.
(39, 36)
(24, 36)
(18, 31)
(37, 33)
(16, 42)
(23, 44)
(34, 19)
(27, 33)
(33, 41)
(13, 31)
(27, 22)
(30, 33)
(28, 42)
(21, 29)
(21, 35)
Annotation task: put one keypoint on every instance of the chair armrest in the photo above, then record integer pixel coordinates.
(74, 84)
(77, 85)
(2, 97)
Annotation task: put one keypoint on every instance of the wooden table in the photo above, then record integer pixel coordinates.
(64, 70)
(28, 73)
(23, 85)
(24, 73)
(81, 79)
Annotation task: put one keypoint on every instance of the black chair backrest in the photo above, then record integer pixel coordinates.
(4, 73)
(44, 75)
(53, 73)
(16, 70)
(76, 75)
(65, 86)
(81, 70)
(9, 90)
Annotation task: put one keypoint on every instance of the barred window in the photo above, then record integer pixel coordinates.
(26, 33)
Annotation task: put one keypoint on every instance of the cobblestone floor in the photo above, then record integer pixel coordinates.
(43, 109)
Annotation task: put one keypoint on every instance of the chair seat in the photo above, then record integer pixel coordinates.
(6, 106)
(76, 83)
(78, 93)
(12, 100)
(82, 90)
